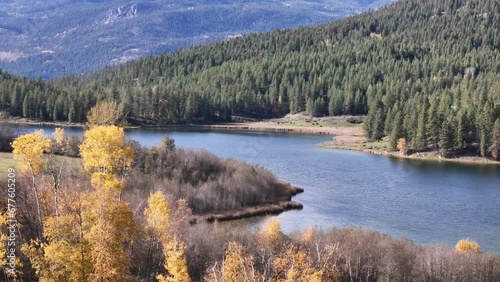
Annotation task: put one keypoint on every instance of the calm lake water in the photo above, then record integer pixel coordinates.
(428, 202)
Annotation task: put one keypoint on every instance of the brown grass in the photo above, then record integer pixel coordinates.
(260, 210)
(6, 162)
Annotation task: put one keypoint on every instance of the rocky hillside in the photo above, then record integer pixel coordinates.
(53, 38)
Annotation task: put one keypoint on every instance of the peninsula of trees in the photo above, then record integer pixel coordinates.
(426, 71)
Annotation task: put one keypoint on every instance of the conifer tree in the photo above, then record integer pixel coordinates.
(397, 129)
(445, 139)
(378, 125)
(420, 141)
(459, 142)
(485, 126)
(495, 140)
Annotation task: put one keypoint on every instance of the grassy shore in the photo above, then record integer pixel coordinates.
(27, 121)
(6, 161)
(382, 148)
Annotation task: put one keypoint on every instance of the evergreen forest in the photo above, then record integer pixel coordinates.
(427, 71)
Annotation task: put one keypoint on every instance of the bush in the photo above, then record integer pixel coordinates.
(207, 182)
(467, 245)
(354, 120)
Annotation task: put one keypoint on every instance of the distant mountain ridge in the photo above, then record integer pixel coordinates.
(54, 38)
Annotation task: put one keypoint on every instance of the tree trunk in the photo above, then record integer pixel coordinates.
(38, 209)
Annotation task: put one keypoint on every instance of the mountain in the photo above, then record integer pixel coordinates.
(52, 38)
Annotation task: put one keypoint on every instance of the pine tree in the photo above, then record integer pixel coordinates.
(310, 106)
(485, 127)
(420, 141)
(378, 125)
(26, 107)
(459, 141)
(495, 140)
(433, 124)
(396, 132)
(445, 139)
(374, 123)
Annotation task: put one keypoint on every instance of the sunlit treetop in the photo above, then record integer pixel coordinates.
(467, 245)
(106, 156)
(29, 150)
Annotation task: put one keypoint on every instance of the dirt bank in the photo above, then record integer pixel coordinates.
(427, 156)
(283, 203)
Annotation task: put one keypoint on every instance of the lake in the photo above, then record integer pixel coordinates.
(426, 201)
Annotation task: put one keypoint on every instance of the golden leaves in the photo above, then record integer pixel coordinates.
(3, 238)
(106, 156)
(402, 146)
(105, 113)
(238, 265)
(108, 227)
(29, 150)
(270, 234)
(159, 221)
(175, 262)
(295, 265)
(158, 214)
(308, 235)
(467, 245)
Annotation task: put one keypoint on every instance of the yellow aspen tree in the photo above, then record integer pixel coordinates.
(5, 260)
(108, 228)
(65, 255)
(402, 146)
(106, 157)
(238, 265)
(108, 222)
(175, 262)
(308, 236)
(270, 235)
(158, 214)
(106, 113)
(295, 265)
(3, 239)
(159, 217)
(29, 150)
(467, 245)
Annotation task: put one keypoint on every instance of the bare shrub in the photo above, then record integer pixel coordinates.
(207, 182)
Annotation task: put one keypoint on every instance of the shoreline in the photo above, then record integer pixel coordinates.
(248, 212)
(344, 138)
(25, 121)
(282, 203)
(471, 160)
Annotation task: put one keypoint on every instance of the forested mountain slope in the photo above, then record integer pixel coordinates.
(58, 37)
(427, 71)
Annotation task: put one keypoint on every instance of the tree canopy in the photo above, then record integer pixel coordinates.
(426, 71)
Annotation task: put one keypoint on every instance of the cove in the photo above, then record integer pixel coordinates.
(426, 201)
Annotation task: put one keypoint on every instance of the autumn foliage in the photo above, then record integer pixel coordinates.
(106, 156)
(159, 218)
(106, 113)
(29, 149)
(120, 220)
(402, 146)
(467, 245)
